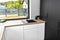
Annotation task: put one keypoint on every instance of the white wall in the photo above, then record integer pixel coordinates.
(35, 8)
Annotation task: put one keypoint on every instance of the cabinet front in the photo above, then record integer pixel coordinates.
(13, 33)
(26, 32)
(34, 32)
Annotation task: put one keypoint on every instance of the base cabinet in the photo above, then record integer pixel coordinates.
(13, 33)
(34, 32)
(26, 32)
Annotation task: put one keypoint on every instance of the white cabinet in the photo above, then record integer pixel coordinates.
(26, 32)
(34, 32)
(1, 30)
(13, 33)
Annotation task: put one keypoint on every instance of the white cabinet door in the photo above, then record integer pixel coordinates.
(34, 32)
(13, 33)
(1, 30)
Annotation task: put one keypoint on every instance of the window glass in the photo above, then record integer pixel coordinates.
(14, 8)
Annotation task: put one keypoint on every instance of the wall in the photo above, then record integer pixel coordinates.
(35, 8)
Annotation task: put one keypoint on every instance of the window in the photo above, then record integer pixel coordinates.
(14, 8)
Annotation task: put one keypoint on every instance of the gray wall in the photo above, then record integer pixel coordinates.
(35, 8)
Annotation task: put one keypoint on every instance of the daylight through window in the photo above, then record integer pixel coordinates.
(13, 8)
